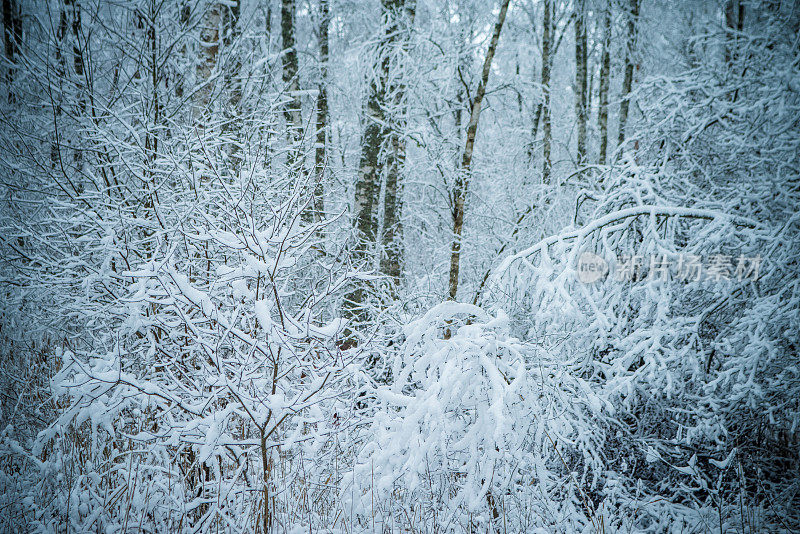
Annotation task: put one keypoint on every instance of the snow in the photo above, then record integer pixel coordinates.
(199, 306)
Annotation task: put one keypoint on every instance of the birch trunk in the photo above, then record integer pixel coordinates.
(233, 80)
(377, 130)
(61, 71)
(209, 49)
(392, 236)
(734, 22)
(77, 74)
(322, 113)
(184, 15)
(462, 177)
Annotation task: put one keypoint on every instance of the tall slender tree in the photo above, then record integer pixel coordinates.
(391, 263)
(605, 79)
(292, 111)
(734, 23)
(547, 62)
(627, 83)
(320, 152)
(207, 61)
(462, 177)
(377, 133)
(12, 37)
(581, 69)
(233, 83)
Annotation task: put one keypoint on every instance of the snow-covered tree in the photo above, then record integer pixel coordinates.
(425, 265)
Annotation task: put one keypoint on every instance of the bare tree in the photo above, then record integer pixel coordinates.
(207, 61)
(392, 236)
(605, 78)
(627, 83)
(12, 36)
(462, 177)
(581, 68)
(292, 112)
(320, 152)
(378, 132)
(547, 61)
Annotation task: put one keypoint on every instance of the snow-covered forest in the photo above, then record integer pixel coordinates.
(350, 266)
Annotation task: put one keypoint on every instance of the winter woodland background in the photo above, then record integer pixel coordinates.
(310, 266)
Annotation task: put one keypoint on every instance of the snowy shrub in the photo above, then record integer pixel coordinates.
(692, 368)
(184, 419)
(472, 419)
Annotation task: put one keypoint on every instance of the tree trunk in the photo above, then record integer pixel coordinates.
(292, 111)
(734, 13)
(233, 83)
(266, 475)
(392, 237)
(151, 140)
(70, 81)
(12, 35)
(77, 52)
(547, 41)
(77, 75)
(627, 82)
(462, 176)
(734, 23)
(391, 263)
(366, 197)
(184, 15)
(605, 78)
(61, 70)
(367, 187)
(233, 66)
(581, 61)
(209, 49)
(322, 113)
(518, 81)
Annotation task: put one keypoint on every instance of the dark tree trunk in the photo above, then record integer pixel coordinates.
(292, 112)
(581, 69)
(547, 60)
(627, 83)
(391, 263)
(322, 113)
(12, 36)
(605, 78)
